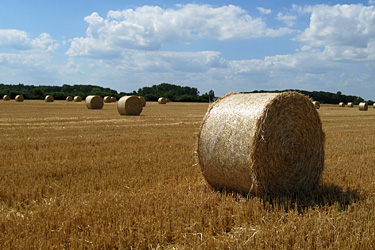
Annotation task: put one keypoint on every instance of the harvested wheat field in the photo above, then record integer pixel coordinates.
(75, 178)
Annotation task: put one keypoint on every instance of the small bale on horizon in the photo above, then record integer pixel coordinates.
(94, 102)
(69, 98)
(162, 100)
(262, 143)
(341, 104)
(350, 104)
(77, 99)
(6, 97)
(107, 99)
(129, 105)
(49, 98)
(316, 104)
(363, 106)
(19, 98)
(113, 99)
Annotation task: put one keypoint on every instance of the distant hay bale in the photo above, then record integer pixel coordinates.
(77, 99)
(6, 97)
(316, 104)
(69, 98)
(341, 104)
(107, 99)
(262, 143)
(129, 105)
(19, 98)
(94, 102)
(162, 100)
(363, 106)
(143, 101)
(113, 99)
(373, 105)
(350, 105)
(49, 98)
(167, 100)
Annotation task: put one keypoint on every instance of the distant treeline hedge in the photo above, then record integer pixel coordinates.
(173, 92)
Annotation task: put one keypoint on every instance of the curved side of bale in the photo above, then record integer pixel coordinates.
(19, 98)
(77, 99)
(262, 143)
(350, 104)
(316, 104)
(49, 98)
(6, 97)
(129, 105)
(363, 106)
(113, 99)
(107, 99)
(69, 98)
(162, 100)
(373, 105)
(94, 102)
(143, 101)
(341, 104)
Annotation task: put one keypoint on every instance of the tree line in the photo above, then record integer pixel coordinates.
(171, 91)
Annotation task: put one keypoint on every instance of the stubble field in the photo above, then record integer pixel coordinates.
(73, 178)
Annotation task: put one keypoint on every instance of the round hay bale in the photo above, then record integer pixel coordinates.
(107, 99)
(77, 99)
(94, 102)
(363, 106)
(113, 99)
(350, 104)
(49, 98)
(162, 100)
(373, 105)
(262, 143)
(69, 98)
(6, 97)
(316, 104)
(129, 105)
(341, 104)
(143, 101)
(19, 98)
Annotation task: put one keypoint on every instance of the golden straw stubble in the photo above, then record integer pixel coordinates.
(263, 143)
(129, 105)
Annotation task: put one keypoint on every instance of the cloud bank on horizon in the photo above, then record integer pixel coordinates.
(333, 49)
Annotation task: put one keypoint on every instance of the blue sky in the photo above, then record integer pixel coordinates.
(226, 46)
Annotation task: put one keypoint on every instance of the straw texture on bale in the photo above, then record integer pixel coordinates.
(19, 98)
(107, 99)
(69, 98)
(350, 105)
(341, 104)
(6, 97)
(162, 100)
(113, 99)
(129, 105)
(77, 99)
(363, 106)
(262, 143)
(316, 104)
(94, 102)
(49, 98)
(143, 101)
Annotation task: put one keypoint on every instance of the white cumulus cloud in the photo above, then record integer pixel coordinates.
(149, 27)
(264, 11)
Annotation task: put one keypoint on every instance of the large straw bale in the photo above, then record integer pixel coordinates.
(129, 105)
(49, 98)
(113, 99)
(143, 101)
(6, 97)
(316, 104)
(69, 98)
(350, 104)
(19, 98)
(107, 99)
(162, 100)
(363, 106)
(77, 99)
(262, 143)
(94, 102)
(342, 104)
